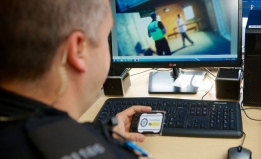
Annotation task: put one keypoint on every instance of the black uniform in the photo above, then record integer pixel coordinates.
(35, 130)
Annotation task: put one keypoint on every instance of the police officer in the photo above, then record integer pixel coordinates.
(54, 61)
(157, 31)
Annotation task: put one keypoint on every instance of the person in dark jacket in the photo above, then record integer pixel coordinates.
(54, 61)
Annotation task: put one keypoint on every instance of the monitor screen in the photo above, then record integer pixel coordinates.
(176, 33)
(248, 5)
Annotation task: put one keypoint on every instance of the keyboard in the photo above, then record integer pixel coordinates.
(189, 118)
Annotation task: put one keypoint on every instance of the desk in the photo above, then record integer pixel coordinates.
(165, 147)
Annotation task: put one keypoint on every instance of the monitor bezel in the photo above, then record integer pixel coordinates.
(181, 64)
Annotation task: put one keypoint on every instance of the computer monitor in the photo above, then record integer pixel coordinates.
(176, 34)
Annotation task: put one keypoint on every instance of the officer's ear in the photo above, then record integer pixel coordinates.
(77, 50)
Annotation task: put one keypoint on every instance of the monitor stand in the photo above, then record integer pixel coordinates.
(176, 81)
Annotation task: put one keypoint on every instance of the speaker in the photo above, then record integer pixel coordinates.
(117, 82)
(228, 83)
(252, 63)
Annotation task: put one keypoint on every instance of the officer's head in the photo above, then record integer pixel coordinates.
(56, 45)
(153, 15)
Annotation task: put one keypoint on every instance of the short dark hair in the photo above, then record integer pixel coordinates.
(153, 15)
(32, 30)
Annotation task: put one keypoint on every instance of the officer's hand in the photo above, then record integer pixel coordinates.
(124, 123)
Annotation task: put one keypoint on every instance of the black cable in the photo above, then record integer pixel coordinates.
(210, 87)
(210, 76)
(243, 139)
(105, 131)
(244, 110)
(142, 72)
(207, 91)
(209, 72)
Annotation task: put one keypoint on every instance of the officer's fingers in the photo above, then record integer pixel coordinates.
(137, 137)
(136, 109)
(140, 109)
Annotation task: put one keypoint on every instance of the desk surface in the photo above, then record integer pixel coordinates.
(165, 147)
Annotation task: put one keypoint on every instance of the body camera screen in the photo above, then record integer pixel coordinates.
(150, 123)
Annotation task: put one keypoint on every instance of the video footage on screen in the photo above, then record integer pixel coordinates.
(175, 28)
